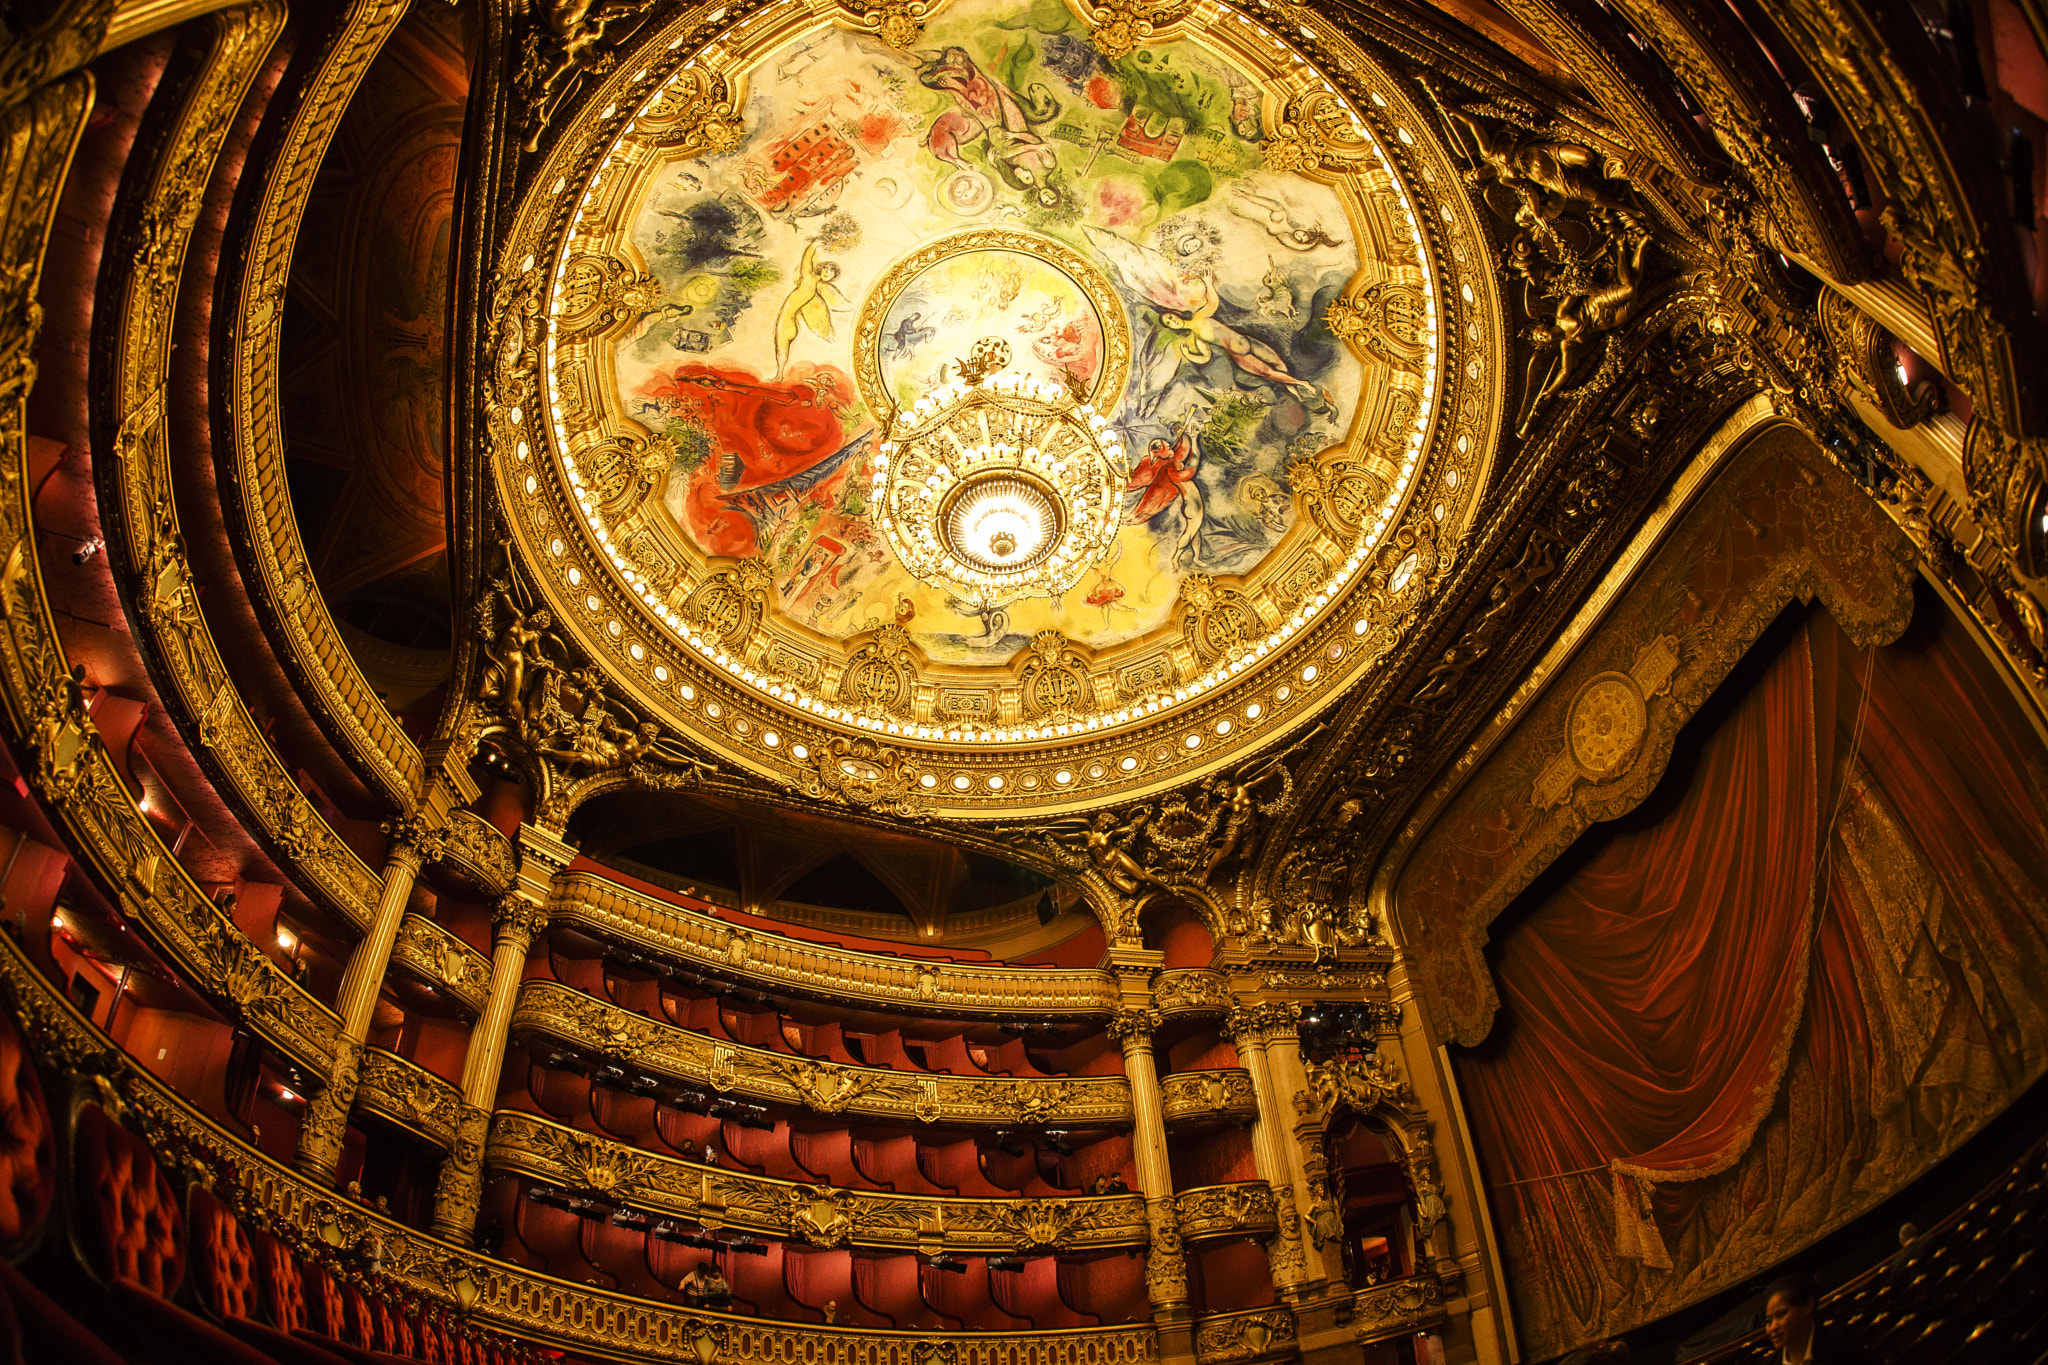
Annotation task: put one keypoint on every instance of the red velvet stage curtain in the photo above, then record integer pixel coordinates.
(1657, 988)
(1651, 998)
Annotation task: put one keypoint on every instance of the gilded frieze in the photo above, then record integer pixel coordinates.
(409, 1095)
(279, 576)
(141, 517)
(344, 1235)
(1398, 1308)
(1191, 991)
(618, 914)
(1191, 1099)
(1211, 1212)
(522, 1144)
(555, 1013)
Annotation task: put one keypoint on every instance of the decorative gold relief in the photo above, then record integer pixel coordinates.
(1122, 24)
(483, 854)
(568, 1017)
(1360, 1083)
(1397, 1308)
(325, 1229)
(1606, 722)
(409, 1095)
(1243, 1336)
(1211, 1212)
(546, 1151)
(1191, 990)
(861, 772)
(1192, 1098)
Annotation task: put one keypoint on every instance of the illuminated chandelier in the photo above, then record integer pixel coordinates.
(997, 486)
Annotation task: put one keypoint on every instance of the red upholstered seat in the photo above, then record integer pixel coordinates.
(223, 1260)
(28, 1146)
(129, 1227)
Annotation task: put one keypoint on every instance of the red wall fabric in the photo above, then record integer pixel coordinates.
(1660, 985)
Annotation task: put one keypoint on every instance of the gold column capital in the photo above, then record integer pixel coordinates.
(517, 920)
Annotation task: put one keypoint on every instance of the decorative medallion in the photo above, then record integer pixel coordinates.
(1607, 721)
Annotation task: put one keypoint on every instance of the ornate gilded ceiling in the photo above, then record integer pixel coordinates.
(752, 252)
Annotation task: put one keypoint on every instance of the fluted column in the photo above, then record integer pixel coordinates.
(1166, 1271)
(1272, 1144)
(517, 918)
(1322, 1221)
(415, 842)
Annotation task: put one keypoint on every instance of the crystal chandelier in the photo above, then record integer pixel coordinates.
(997, 486)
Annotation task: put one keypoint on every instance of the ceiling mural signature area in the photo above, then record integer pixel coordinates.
(1127, 198)
(1041, 423)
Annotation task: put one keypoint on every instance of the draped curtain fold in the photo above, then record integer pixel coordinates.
(1652, 996)
(1837, 895)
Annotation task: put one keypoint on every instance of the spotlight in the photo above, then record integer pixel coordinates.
(84, 553)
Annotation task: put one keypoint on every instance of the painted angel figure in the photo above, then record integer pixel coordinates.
(1187, 306)
(809, 304)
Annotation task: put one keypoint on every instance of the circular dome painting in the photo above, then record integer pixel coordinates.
(1114, 221)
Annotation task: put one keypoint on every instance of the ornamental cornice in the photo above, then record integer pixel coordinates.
(1213, 1212)
(275, 567)
(324, 1228)
(810, 1214)
(617, 914)
(559, 1014)
(1191, 1099)
(409, 1095)
(435, 956)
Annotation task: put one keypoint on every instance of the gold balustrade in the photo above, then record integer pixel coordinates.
(814, 1215)
(618, 914)
(556, 1013)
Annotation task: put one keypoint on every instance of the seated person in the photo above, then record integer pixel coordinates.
(1789, 1320)
(696, 1285)
(717, 1293)
(1113, 1183)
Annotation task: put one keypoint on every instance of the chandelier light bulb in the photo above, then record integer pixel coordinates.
(1000, 487)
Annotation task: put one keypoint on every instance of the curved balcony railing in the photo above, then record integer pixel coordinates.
(562, 1015)
(1207, 1099)
(429, 953)
(345, 1235)
(1210, 1213)
(410, 1096)
(619, 914)
(814, 1215)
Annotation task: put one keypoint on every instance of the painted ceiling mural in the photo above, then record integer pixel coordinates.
(1113, 221)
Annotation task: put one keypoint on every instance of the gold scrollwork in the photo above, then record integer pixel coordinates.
(1193, 1098)
(1244, 1209)
(556, 1012)
(546, 1151)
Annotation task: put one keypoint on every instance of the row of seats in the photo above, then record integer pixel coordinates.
(836, 1151)
(1971, 1291)
(732, 1017)
(790, 1283)
(127, 1272)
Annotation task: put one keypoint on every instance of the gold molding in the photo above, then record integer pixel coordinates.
(278, 575)
(427, 951)
(1197, 1099)
(85, 793)
(410, 1096)
(164, 609)
(1397, 1308)
(1191, 991)
(1210, 1213)
(815, 1215)
(324, 1228)
(550, 1010)
(617, 914)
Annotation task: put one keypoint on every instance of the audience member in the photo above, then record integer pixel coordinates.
(1789, 1320)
